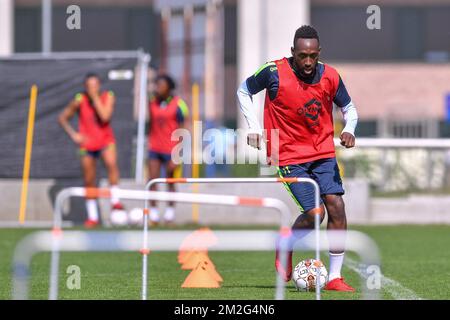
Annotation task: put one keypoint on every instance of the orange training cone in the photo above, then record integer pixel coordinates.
(200, 278)
(212, 270)
(183, 255)
(186, 255)
(194, 259)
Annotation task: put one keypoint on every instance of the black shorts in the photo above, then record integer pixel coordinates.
(95, 153)
(163, 157)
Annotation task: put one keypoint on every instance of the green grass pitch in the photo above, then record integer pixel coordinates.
(417, 257)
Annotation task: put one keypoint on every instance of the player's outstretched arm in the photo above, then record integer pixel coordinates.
(64, 118)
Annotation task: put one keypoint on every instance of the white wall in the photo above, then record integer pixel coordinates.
(6, 27)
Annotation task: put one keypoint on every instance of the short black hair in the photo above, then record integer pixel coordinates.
(306, 32)
(91, 75)
(168, 79)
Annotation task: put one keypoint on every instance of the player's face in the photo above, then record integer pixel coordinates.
(162, 89)
(92, 84)
(306, 55)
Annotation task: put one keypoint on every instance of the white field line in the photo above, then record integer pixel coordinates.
(394, 288)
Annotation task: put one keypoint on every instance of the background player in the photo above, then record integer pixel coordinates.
(168, 112)
(95, 138)
(299, 103)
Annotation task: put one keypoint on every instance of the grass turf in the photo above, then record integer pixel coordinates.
(415, 256)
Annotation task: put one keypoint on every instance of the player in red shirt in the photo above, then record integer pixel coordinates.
(298, 107)
(168, 112)
(95, 138)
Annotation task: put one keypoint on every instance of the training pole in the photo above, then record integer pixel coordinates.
(27, 159)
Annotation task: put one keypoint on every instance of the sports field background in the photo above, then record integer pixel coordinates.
(415, 257)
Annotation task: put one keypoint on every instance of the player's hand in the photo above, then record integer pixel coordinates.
(254, 140)
(347, 140)
(78, 138)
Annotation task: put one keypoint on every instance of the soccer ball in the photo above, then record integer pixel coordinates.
(304, 275)
(136, 216)
(119, 218)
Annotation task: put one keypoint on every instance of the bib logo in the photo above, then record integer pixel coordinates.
(311, 111)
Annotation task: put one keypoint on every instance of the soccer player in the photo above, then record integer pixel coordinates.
(299, 101)
(168, 112)
(95, 138)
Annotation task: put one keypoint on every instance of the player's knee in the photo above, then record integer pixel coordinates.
(310, 213)
(335, 203)
(111, 165)
(336, 208)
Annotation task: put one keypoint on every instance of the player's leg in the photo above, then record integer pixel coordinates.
(326, 173)
(303, 195)
(109, 157)
(306, 220)
(88, 168)
(154, 171)
(337, 221)
(169, 214)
